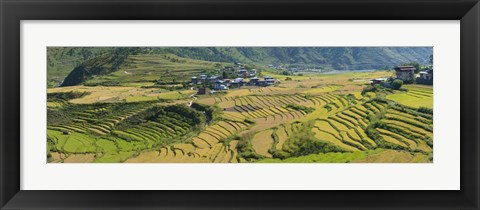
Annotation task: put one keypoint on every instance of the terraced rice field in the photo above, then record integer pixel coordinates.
(327, 120)
(415, 96)
(262, 142)
(282, 136)
(324, 89)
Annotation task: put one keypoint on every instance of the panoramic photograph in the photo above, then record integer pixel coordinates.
(239, 105)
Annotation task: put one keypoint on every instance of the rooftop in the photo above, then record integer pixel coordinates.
(380, 79)
(405, 68)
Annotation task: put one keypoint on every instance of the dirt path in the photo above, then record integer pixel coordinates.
(192, 97)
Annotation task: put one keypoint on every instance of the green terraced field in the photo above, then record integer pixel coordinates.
(149, 112)
(414, 97)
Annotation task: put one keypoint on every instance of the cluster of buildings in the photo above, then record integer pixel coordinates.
(407, 74)
(239, 82)
(244, 77)
(244, 73)
(225, 84)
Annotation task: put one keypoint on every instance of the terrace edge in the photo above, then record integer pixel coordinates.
(11, 197)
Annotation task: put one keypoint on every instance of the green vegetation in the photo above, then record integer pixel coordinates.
(62, 60)
(141, 105)
(245, 149)
(397, 84)
(120, 128)
(330, 157)
(425, 110)
(373, 89)
(65, 96)
(415, 96)
(100, 65)
(300, 108)
(336, 57)
(213, 113)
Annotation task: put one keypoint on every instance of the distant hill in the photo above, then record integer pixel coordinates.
(101, 65)
(337, 58)
(75, 65)
(62, 60)
(104, 63)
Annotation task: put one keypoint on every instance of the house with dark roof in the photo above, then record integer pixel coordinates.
(219, 85)
(194, 80)
(425, 77)
(378, 81)
(242, 73)
(405, 73)
(203, 77)
(203, 91)
(226, 82)
(238, 82)
(269, 80)
(253, 81)
(213, 78)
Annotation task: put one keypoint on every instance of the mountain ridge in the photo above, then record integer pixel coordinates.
(68, 61)
(338, 58)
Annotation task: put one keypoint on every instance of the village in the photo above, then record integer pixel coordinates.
(279, 105)
(241, 76)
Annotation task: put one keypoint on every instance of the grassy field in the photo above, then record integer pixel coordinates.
(317, 118)
(415, 96)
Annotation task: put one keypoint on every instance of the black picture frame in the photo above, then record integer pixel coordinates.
(13, 11)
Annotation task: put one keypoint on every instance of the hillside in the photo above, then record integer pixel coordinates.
(320, 118)
(111, 70)
(62, 60)
(338, 58)
(81, 63)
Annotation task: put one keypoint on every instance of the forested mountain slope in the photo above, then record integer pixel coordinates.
(87, 61)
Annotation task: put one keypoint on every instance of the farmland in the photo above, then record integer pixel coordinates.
(145, 112)
(417, 96)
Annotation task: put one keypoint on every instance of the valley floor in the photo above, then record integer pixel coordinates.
(310, 119)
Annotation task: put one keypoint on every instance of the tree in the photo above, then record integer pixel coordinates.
(397, 84)
(86, 54)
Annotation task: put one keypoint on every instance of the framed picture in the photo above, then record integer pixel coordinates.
(239, 104)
